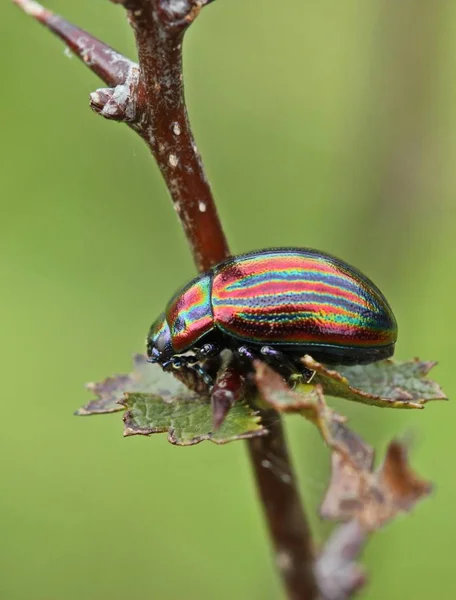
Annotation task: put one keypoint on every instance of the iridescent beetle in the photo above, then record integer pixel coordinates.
(276, 304)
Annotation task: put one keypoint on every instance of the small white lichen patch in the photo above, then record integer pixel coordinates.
(284, 560)
(121, 95)
(180, 6)
(202, 206)
(176, 128)
(276, 470)
(150, 134)
(173, 160)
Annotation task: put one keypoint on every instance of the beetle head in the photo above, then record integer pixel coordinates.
(159, 347)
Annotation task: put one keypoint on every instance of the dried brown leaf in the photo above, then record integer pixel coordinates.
(373, 497)
(356, 491)
(310, 403)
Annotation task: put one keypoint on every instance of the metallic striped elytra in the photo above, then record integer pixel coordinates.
(280, 303)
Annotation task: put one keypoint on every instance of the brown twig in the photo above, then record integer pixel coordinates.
(283, 509)
(150, 98)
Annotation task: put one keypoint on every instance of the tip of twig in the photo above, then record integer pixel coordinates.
(33, 8)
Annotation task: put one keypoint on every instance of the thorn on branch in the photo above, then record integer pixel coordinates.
(110, 66)
(228, 388)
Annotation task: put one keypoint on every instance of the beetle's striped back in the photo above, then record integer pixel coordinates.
(300, 297)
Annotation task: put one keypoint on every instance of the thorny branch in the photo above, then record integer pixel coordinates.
(149, 97)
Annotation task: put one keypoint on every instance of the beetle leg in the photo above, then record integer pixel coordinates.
(292, 365)
(246, 352)
(203, 374)
(207, 351)
(178, 362)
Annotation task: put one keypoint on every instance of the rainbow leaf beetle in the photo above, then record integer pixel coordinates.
(276, 304)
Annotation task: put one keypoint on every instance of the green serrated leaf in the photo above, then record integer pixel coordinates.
(157, 402)
(386, 383)
(187, 419)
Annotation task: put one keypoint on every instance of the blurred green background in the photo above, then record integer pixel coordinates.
(330, 125)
